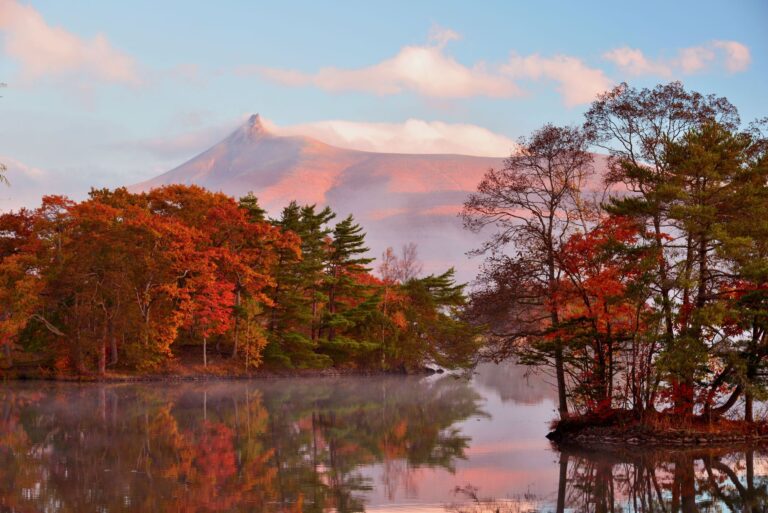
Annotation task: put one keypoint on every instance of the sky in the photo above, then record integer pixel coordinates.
(112, 93)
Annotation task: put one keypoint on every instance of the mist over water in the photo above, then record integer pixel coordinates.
(439, 443)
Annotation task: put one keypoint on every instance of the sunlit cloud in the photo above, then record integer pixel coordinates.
(411, 136)
(733, 56)
(426, 70)
(441, 36)
(737, 57)
(27, 184)
(44, 51)
(576, 82)
(429, 71)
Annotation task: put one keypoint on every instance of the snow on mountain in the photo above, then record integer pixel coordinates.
(398, 198)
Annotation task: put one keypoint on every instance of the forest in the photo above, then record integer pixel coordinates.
(139, 282)
(639, 279)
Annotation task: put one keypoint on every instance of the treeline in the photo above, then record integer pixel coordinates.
(128, 281)
(642, 283)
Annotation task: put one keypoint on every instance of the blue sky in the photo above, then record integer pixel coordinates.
(111, 93)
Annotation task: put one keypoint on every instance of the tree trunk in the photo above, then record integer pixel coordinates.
(562, 399)
(113, 348)
(8, 353)
(103, 358)
(237, 325)
(103, 350)
(562, 483)
(205, 351)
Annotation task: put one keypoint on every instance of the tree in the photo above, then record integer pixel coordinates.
(342, 287)
(605, 317)
(434, 330)
(535, 202)
(3, 168)
(126, 280)
(401, 268)
(210, 309)
(637, 127)
(297, 295)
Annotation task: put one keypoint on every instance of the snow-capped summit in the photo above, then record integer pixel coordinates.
(399, 198)
(253, 128)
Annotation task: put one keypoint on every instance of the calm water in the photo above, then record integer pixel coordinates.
(352, 444)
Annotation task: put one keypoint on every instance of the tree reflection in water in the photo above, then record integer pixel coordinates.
(666, 480)
(644, 482)
(295, 445)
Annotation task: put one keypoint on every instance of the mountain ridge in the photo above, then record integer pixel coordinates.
(397, 197)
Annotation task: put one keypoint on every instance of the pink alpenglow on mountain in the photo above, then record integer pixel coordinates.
(398, 198)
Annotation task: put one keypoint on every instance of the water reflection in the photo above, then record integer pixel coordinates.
(375, 444)
(272, 446)
(647, 481)
(642, 481)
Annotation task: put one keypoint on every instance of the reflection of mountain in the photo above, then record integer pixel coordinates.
(280, 445)
(515, 382)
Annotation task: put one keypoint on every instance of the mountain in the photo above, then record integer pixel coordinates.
(399, 198)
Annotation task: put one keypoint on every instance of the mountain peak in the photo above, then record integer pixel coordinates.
(254, 123)
(253, 128)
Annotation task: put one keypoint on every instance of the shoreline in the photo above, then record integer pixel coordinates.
(663, 431)
(172, 377)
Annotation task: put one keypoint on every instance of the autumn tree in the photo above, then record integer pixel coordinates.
(128, 280)
(400, 268)
(637, 127)
(605, 319)
(533, 203)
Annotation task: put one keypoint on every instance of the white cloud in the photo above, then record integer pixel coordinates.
(577, 82)
(411, 136)
(731, 55)
(26, 185)
(426, 70)
(441, 36)
(46, 51)
(634, 62)
(737, 56)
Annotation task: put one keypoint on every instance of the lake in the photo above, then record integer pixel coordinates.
(384, 444)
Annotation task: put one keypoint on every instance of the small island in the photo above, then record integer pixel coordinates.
(638, 280)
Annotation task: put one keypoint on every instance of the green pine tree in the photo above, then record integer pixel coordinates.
(298, 293)
(348, 303)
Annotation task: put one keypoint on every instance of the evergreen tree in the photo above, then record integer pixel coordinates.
(434, 330)
(250, 204)
(297, 295)
(348, 303)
